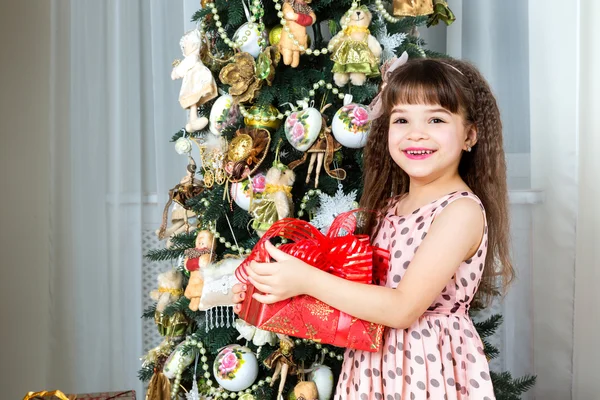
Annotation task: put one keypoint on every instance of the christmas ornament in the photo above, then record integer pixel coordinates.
(441, 12)
(246, 152)
(351, 125)
(224, 113)
(275, 202)
(321, 150)
(355, 52)
(183, 146)
(389, 42)
(181, 218)
(412, 8)
(212, 154)
(219, 278)
(250, 35)
(305, 390)
(275, 35)
(235, 368)
(263, 117)
(177, 359)
(297, 15)
(322, 376)
(159, 387)
(302, 127)
(282, 361)
(258, 337)
(245, 77)
(332, 206)
(241, 194)
(169, 290)
(195, 260)
(198, 85)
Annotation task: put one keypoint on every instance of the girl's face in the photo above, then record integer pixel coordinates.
(427, 141)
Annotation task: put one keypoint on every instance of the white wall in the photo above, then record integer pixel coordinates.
(24, 198)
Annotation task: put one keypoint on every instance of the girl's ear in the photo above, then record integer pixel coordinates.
(471, 138)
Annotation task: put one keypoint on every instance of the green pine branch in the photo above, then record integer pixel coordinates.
(489, 326)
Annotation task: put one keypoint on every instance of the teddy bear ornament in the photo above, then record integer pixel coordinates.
(355, 52)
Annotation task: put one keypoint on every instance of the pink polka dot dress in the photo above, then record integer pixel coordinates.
(441, 355)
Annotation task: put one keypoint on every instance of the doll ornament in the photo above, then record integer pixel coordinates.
(198, 85)
(298, 15)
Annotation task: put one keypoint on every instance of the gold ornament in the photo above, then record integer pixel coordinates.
(245, 77)
(412, 8)
(240, 148)
(238, 168)
(275, 35)
(262, 118)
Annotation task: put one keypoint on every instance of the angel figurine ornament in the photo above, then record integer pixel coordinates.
(198, 85)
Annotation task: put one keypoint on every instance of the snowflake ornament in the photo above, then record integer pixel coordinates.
(332, 206)
(389, 43)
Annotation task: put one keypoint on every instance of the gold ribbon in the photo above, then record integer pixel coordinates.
(356, 29)
(272, 188)
(174, 292)
(56, 393)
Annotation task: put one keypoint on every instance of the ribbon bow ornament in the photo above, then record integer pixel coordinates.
(339, 252)
(375, 110)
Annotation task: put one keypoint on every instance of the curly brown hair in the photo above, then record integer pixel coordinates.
(458, 87)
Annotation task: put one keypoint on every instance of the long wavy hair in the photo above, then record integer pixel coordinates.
(458, 87)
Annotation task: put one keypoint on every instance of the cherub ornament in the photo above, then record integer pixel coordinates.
(196, 259)
(298, 16)
(198, 85)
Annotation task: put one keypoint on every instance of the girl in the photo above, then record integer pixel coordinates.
(445, 226)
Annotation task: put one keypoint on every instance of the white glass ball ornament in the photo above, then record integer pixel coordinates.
(302, 128)
(177, 360)
(322, 376)
(350, 125)
(223, 113)
(241, 194)
(235, 368)
(248, 38)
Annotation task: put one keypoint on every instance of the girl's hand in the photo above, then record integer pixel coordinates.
(239, 294)
(286, 277)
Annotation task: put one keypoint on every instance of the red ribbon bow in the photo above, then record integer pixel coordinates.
(338, 252)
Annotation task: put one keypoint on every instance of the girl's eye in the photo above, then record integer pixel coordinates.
(400, 121)
(437, 120)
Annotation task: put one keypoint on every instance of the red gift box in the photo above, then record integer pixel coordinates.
(341, 253)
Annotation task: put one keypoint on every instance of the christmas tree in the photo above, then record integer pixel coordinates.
(277, 106)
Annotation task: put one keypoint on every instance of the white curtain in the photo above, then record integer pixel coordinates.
(112, 61)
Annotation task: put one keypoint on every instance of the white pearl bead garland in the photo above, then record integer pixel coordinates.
(384, 13)
(319, 346)
(305, 200)
(255, 21)
(227, 244)
(215, 392)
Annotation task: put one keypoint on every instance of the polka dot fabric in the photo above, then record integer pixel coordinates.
(441, 355)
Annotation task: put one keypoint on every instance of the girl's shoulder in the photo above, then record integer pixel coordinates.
(433, 208)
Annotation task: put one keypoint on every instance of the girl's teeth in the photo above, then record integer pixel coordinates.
(419, 152)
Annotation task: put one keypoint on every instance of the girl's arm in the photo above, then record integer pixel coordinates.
(454, 237)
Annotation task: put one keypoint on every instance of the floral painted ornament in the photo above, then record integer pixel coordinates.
(235, 368)
(224, 113)
(351, 125)
(302, 128)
